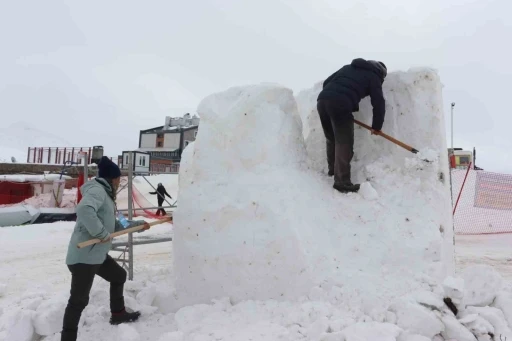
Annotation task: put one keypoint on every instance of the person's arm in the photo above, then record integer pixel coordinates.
(165, 192)
(378, 103)
(87, 212)
(152, 193)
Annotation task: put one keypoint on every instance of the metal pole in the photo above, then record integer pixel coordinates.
(130, 215)
(158, 194)
(86, 167)
(453, 105)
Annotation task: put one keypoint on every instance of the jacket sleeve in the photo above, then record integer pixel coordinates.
(167, 194)
(87, 212)
(152, 193)
(378, 103)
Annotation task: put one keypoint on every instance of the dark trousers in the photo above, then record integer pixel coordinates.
(338, 125)
(160, 209)
(82, 277)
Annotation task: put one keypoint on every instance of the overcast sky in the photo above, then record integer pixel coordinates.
(106, 69)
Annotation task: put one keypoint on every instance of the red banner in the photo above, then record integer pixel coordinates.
(493, 191)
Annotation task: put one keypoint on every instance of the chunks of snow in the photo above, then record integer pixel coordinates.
(49, 315)
(269, 227)
(454, 330)
(416, 319)
(504, 303)
(20, 326)
(482, 284)
(368, 192)
(454, 288)
(371, 331)
(127, 333)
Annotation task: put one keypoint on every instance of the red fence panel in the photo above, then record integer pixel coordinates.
(485, 205)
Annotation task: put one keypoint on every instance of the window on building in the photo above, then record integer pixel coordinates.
(464, 160)
(159, 144)
(195, 134)
(160, 135)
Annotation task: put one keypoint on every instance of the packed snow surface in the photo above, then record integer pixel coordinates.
(258, 219)
(34, 288)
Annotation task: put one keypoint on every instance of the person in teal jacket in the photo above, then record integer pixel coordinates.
(96, 218)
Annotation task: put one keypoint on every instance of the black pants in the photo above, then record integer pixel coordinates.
(81, 284)
(160, 209)
(338, 125)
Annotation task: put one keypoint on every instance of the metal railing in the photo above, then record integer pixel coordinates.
(126, 247)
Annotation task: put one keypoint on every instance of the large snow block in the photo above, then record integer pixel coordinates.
(415, 116)
(255, 221)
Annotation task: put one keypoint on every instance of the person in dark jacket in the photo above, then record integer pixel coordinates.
(96, 218)
(339, 98)
(160, 191)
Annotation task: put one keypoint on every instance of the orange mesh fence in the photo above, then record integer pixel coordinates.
(485, 204)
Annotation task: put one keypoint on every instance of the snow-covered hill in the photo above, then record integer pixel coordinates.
(16, 138)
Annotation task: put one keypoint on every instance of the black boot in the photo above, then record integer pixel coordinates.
(347, 187)
(68, 335)
(124, 317)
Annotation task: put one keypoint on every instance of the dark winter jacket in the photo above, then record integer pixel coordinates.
(160, 191)
(356, 81)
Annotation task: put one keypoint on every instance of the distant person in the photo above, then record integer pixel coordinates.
(339, 98)
(96, 218)
(161, 192)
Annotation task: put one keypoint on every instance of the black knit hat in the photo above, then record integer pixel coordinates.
(107, 169)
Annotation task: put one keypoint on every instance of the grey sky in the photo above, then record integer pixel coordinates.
(96, 72)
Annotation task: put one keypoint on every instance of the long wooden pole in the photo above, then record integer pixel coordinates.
(387, 137)
(120, 233)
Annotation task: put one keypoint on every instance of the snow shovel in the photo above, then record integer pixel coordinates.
(387, 137)
(119, 233)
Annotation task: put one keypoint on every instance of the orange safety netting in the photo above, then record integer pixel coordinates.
(485, 205)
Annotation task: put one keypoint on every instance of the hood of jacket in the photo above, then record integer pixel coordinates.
(372, 65)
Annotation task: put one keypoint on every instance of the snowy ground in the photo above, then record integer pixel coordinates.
(34, 282)
(494, 250)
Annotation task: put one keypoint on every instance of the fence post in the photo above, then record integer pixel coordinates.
(461, 188)
(130, 215)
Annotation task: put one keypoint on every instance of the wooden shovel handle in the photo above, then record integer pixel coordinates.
(387, 137)
(119, 233)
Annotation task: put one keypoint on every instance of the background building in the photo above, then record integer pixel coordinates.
(166, 143)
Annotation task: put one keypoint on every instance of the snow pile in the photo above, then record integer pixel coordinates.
(269, 227)
(43, 200)
(33, 178)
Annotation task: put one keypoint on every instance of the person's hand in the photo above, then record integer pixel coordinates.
(375, 132)
(146, 227)
(106, 240)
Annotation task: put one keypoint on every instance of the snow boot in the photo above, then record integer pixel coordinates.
(330, 173)
(124, 317)
(347, 187)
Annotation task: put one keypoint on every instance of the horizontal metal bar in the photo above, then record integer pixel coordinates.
(145, 208)
(161, 172)
(143, 242)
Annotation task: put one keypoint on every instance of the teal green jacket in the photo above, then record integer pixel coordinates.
(95, 218)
